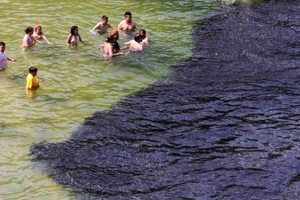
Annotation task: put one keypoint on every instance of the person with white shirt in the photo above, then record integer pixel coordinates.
(3, 57)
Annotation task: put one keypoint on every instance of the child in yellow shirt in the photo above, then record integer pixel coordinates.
(32, 82)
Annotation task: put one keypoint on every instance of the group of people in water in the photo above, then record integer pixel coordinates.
(110, 48)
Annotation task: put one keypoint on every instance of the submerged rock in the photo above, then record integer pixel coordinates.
(224, 125)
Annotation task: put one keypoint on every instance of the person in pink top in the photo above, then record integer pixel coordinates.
(28, 39)
(128, 26)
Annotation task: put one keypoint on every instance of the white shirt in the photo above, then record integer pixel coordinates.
(3, 60)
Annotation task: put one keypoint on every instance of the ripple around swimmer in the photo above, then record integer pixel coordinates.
(223, 125)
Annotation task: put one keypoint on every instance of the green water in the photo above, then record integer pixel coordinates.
(77, 82)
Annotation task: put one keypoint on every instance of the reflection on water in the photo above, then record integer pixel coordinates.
(77, 82)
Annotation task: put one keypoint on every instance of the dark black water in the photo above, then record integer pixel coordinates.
(225, 125)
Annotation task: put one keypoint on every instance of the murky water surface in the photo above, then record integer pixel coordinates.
(78, 82)
(222, 125)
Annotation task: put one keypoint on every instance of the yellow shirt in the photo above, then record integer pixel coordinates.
(31, 81)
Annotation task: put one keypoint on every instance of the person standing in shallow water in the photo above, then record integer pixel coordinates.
(135, 45)
(111, 47)
(74, 37)
(3, 57)
(145, 39)
(28, 39)
(38, 34)
(127, 26)
(32, 82)
(102, 26)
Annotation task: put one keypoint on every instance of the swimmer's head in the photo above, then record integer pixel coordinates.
(128, 17)
(73, 30)
(28, 30)
(113, 37)
(142, 33)
(104, 19)
(114, 32)
(37, 27)
(2, 47)
(138, 37)
(33, 69)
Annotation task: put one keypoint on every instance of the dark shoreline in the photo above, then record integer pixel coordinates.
(225, 125)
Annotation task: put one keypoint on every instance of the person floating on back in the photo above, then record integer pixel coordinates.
(74, 37)
(3, 57)
(102, 26)
(32, 82)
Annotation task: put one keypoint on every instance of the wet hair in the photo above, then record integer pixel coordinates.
(127, 13)
(110, 38)
(28, 29)
(138, 37)
(37, 27)
(33, 69)
(104, 17)
(2, 44)
(143, 31)
(73, 28)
